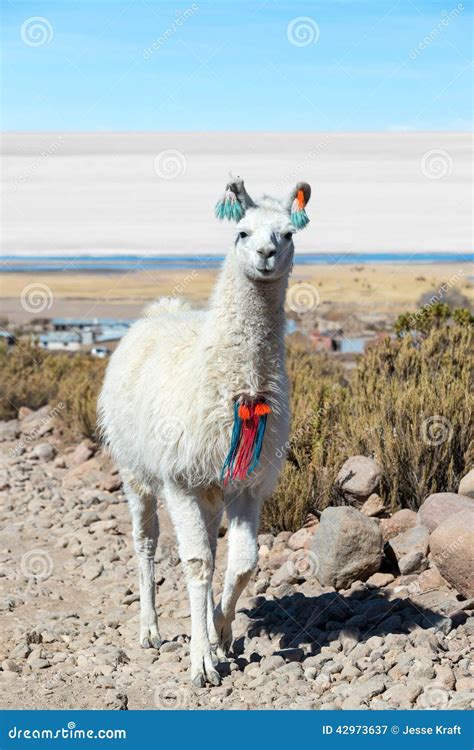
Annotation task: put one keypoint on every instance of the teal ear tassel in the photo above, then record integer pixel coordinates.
(229, 207)
(299, 218)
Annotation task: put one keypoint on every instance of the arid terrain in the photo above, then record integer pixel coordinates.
(69, 602)
(385, 289)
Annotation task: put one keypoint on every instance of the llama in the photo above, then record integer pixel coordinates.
(194, 408)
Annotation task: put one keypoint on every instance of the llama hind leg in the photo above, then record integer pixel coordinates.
(212, 508)
(186, 509)
(142, 504)
(243, 512)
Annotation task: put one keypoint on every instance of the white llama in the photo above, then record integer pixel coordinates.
(183, 409)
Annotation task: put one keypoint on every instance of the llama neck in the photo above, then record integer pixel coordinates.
(245, 329)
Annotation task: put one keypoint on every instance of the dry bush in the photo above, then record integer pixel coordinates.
(33, 377)
(408, 404)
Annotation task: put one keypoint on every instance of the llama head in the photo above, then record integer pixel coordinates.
(264, 237)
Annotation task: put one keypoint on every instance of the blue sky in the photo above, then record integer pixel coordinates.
(236, 66)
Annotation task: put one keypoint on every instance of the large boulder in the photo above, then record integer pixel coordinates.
(466, 485)
(411, 549)
(347, 546)
(438, 507)
(359, 477)
(452, 548)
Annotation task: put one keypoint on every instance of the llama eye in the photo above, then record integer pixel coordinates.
(243, 235)
(288, 236)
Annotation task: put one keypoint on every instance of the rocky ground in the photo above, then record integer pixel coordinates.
(393, 634)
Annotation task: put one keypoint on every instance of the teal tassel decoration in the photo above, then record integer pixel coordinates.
(299, 217)
(229, 207)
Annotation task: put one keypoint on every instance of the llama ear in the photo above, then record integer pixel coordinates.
(234, 202)
(297, 203)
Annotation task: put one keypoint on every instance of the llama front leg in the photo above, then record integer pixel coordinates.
(243, 512)
(187, 513)
(142, 506)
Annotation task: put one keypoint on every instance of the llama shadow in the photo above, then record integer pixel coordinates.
(309, 623)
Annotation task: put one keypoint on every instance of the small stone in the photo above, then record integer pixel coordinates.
(373, 506)
(39, 663)
(359, 477)
(44, 451)
(81, 453)
(271, 663)
(401, 521)
(378, 580)
(301, 539)
(8, 665)
(291, 654)
(347, 546)
(411, 549)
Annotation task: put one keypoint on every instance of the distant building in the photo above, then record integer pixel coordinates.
(68, 341)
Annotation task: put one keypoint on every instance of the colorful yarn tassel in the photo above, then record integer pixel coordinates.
(229, 207)
(250, 421)
(299, 217)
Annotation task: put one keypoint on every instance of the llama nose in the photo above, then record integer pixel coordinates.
(267, 252)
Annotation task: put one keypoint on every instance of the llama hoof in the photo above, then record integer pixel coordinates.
(150, 638)
(209, 676)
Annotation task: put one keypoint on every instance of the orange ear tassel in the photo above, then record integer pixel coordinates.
(300, 199)
(244, 412)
